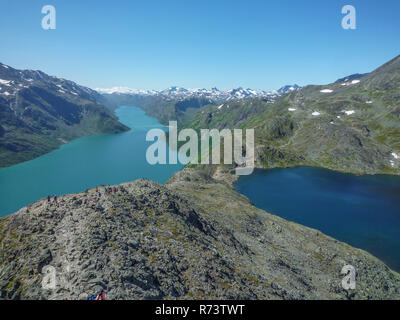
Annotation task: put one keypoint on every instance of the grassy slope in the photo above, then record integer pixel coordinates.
(359, 143)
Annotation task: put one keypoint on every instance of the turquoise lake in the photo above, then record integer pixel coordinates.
(85, 163)
(363, 211)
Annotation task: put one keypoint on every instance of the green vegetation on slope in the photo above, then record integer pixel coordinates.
(352, 126)
(38, 113)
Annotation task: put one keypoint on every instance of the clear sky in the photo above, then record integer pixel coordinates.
(261, 44)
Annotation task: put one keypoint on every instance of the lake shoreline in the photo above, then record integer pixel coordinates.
(366, 204)
(85, 162)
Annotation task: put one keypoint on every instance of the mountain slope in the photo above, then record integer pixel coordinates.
(38, 113)
(192, 238)
(351, 126)
(352, 77)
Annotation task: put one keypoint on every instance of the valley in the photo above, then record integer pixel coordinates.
(195, 237)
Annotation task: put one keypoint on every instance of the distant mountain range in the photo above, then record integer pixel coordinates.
(212, 94)
(39, 112)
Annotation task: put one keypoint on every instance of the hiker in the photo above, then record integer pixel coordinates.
(92, 297)
(101, 295)
(97, 189)
(55, 198)
(48, 198)
(99, 194)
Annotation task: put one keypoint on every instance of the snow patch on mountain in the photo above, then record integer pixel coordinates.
(287, 89)
(5, 82)
(124, 90)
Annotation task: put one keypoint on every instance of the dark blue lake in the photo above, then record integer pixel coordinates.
(363, 211)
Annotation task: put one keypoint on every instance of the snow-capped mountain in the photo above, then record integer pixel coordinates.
(213, 94)
(287, 89)
(126, 90)
(14, 82)
(175, 91)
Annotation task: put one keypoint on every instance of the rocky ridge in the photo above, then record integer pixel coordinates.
(194, 237)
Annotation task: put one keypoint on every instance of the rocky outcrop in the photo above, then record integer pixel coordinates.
(192, 238)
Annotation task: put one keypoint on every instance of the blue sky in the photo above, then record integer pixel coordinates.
(156, 44)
